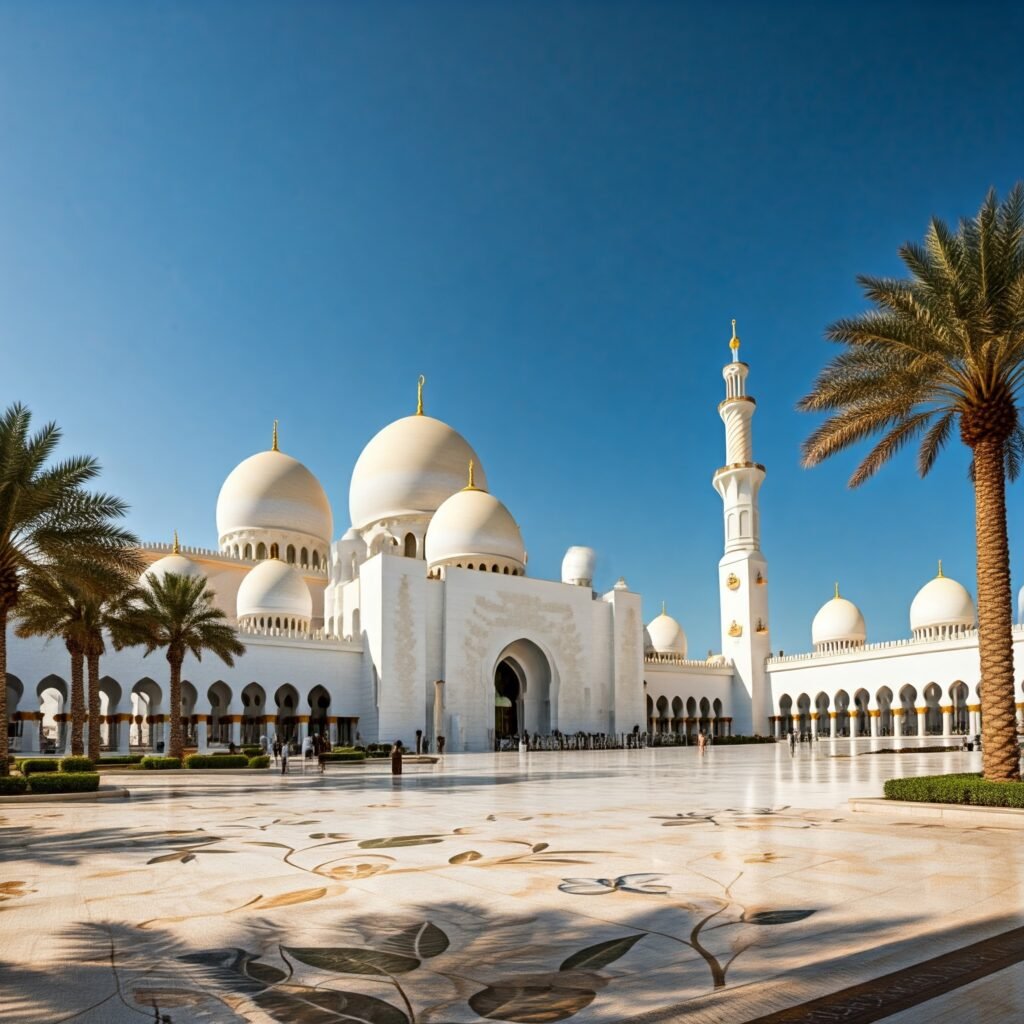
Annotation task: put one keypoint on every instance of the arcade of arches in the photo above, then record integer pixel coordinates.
(685, 719)
(136, 716)
(932, 710)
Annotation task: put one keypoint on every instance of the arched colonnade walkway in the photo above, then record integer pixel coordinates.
(934, 709)
(685, 718)
(136, 717)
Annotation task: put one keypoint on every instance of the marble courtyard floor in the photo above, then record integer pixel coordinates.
(622, 886)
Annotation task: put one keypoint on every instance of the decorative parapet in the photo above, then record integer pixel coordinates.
(221, 556)
(313, 636)
(857, 653)
(675, 661)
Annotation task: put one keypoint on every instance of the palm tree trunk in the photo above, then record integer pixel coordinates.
(93, 663)
(4, 743)
(77, 702)
(177, 741)
(1001, 759)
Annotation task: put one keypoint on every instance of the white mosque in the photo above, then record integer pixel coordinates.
(423, 617)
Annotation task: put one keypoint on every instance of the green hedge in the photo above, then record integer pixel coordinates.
(160, 764)
(216, 761)
(39, 764)
(252, 751)
(343, 755)
(64, 782)
(260, 761)
(77, 764)
(12, 785)
(120, 759)
(956, 789)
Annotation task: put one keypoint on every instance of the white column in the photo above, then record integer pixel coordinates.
(833, 719)
(921, 712)
(236, 731)
(873, 718)
(202, 734)
(270, 730)
(854, 721)
(947, 721)
(124, 735)
(777, 727)
(974, 711)
(814, 724)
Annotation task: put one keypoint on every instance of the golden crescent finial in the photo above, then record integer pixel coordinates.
(419, 394)
(176, 547)
(734, 341)
(662, 607)
(273, 445)
(836, 598)
(940, 568)
(471, 486)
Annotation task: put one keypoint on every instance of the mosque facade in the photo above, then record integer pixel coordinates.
(422, 618)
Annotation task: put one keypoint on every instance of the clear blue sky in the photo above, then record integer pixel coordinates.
(213, 214)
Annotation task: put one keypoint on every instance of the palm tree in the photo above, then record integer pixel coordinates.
(940, 349)
(55, 608)
(176, 613)
(102, 612)
(47, 523)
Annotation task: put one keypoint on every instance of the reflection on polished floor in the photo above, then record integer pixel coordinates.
(627, 885)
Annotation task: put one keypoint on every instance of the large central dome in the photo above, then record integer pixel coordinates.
(409, 468)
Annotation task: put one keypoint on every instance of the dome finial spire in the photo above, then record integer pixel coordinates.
(662, 607)
(176, 547)
(471, 486)
(836, 598)
(273, 443)
(419, 394)
(734, 343)
(940, 568)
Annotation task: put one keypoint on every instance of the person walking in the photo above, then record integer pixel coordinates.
(701, 742)
(284, 758)
(396, 758)
(276, 748)
(792, 742)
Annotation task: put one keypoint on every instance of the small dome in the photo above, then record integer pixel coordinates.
(578, 566)
(473, 524)
(273, 589)
(666, 636)
(174, 563)
(409, 468)
(273, 491)
(942, 605)
(838, 624)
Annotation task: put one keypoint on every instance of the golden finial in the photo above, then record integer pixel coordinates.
(940, 568)
(176, 547)
(419, 394)
(471, 486)
(836, 598)
(273, 446)
(662, 607)
(734, 342)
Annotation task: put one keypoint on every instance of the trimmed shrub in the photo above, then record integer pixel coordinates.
(343, 755)
(956, 789)
(64, 782)
(216, 761)
(260, 761)
(160, 764)
(77, 764)
(30, 765)
(12, 785)
(120, 759)
(252, 751)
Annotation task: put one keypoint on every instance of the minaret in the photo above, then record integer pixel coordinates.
(743, 571)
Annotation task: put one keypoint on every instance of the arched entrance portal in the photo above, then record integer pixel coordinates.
(507, 700)
(525, 694)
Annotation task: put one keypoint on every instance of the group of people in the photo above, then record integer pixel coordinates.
(635, 740)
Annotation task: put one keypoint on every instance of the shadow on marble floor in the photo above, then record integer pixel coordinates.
(425, 965)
